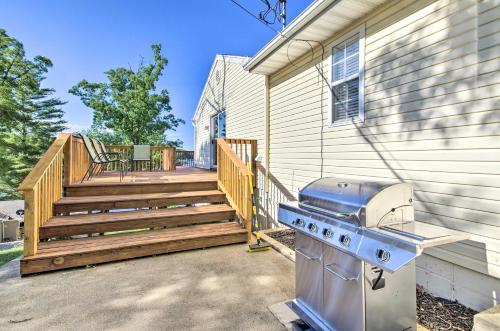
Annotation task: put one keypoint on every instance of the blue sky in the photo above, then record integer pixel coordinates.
(86, 38)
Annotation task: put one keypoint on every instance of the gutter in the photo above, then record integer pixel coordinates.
(267, 110)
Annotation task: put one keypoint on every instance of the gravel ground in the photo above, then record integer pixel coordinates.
(436, 314)
(286, 237)
(441, 314)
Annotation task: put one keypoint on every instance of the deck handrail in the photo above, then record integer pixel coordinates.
(246, 149)
(63, 163)
(184, 158)
(236, 181)
(35, 175)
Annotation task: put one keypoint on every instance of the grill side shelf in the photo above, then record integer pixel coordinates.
(424, 235)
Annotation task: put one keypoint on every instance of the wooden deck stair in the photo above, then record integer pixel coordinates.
(65, 226)
(60, 254)
(150, 186)
(108, 218)
(155, 218)
(109, 202)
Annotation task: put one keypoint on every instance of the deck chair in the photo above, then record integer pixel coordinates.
(142, 153)
(118, 155)
(97, 160)
(110, 157)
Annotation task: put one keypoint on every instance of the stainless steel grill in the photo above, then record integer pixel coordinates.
(356, 244)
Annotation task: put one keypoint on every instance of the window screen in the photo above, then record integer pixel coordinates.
(345, 79)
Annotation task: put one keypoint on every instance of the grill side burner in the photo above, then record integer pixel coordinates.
(355, 248)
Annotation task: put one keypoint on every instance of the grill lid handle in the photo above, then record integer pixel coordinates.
(305, 204)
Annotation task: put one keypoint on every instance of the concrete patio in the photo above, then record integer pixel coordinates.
(223, 288)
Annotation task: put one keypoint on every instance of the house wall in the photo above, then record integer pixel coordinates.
(241, 94)
(432, 100)
(209, 104)
(202, 141)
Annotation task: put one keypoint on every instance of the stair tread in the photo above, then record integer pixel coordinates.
(82, 219)
(140, 183)
(131, 197)
(118, 241)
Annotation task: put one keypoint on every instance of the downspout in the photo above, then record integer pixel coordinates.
(267, 109)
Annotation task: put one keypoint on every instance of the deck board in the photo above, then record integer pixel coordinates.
(184, 179)
(53, 255)
(108, 202)
(65, 226)
(179, 175)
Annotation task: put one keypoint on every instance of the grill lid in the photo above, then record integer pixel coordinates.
(349, 198)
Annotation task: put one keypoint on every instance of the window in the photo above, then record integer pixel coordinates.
(347, 79)
(217, 76)
(218, 131)
(219, 125)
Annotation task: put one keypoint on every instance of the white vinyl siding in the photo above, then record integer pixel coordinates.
(202, 139)
(432, 119)
(241, 95)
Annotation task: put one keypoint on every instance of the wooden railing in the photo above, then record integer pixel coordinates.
(246, 150)
(235, 179)
(184, 158)
(162, 158)
(63, 163)
(76, 160)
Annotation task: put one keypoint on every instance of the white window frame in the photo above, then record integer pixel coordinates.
(361, 76)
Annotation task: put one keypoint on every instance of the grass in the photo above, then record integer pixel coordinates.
(10, 254)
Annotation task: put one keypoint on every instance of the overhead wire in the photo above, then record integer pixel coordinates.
(319, 69)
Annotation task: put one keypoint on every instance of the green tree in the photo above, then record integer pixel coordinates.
(30, 117)
(106, 136)
(129, 106)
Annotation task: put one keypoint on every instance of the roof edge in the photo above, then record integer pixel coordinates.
(237, 59)
(299, 23)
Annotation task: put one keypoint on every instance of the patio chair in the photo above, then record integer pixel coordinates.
(97, 159)
(109, 156)
(142, 153)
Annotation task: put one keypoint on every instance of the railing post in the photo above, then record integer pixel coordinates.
(30, 222)
(68, 166)
(253, 162)
(249, 207)
(169, 158)
(219, 165)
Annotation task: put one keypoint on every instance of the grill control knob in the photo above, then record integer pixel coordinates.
(383, 255)
(312, 227)
(327, 233)
(345, 240)
(298, 222)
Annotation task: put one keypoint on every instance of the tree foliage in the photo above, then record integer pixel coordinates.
(128, 108)
(30, 117)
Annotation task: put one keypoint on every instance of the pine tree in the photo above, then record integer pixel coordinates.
(30, 116)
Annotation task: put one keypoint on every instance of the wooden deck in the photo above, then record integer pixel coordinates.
(182, 180)
(181, 174)
(159, 212)
(69, 223)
